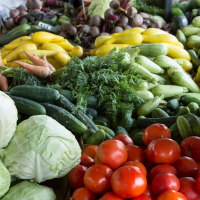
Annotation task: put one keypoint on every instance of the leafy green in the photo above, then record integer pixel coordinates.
(106, 78)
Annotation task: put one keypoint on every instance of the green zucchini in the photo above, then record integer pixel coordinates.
(35, 93)
(159, 113)
(145, 122)
(149, 65)
(151, 86)
(181, 38)
(88, 133)
(97, 138)
(107, 130)
(194, 108)
(34, 29)
(65, 118)
(193, 41)
(184, 127)
(194, 122)
(145, 95)
(173, 104)
(142, 86)
(172, 70)
(90, 116)
(137, 138)
(174, 131)
(183, 111)
(186, 99)
(194, 58)
(197, 95)
(27, 106)
(168, 90)
(188, 30)
(66, 104)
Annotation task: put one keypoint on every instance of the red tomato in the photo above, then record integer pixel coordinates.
(163, 151)
(154, 132)
(87, 161)
(97, 178)
(83, 194)
(163, 182)
(198, 163)
(110, 196)
(124, 138)
(186, 167)
(198, 173)
(90, 151)
(128, 182)
(142, 197)
(148, 192)
(188, 188)
(198, 182)
(135, 153)
(171, 195)
(158, 169)
(76, 177)
(112, 153)
(148, 164)
(191, 147)
(136, 164)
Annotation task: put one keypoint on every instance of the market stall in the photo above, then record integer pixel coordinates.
(100, 101)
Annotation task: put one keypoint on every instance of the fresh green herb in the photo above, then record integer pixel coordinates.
(107, 78)
(54, 86)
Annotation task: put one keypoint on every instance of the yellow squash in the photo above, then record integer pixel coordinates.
(160, 38)
(93, 52)
(15, 65)
(44, 37)
(153, 31)
(130, 38)
(54, 62)
(38, 53)
(77, 51)
(132, 30)
(105, 49)
(3, 49)
(177, 52)
(5, 53)
(14, 45)
(20, 39)
(62, 58)
(187, 65)
(4, 61)
(101, 39)
(65, 44)
(53, 47)
(14, 55)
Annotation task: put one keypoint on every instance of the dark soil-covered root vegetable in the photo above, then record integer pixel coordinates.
(127, 27)
(94, 31)
(35, 4)
(156, 25)
(86, 28)
(144, 26)
(63, 34)
(136, 21)
(117, 29)
(68, 29)
(22, 13)
(103, 33)
(14, 13)
(123, 21)
(131, 12)
(21, 8)
(36, 11)
(114, 4)
(109, 11)
(95, 20)
(10, 23)
(144, 15)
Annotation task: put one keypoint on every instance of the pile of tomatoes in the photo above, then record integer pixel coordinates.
(119, 170)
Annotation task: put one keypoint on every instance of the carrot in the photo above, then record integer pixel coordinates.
(35, 60)
(3, 83)
(42, 72)
(51, 67)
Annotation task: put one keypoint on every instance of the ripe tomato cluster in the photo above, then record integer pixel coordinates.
(119, 170)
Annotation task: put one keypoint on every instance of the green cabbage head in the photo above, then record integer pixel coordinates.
(29, 191)
(8, 119)
(41, 149)
(98, 7)
(5, 179)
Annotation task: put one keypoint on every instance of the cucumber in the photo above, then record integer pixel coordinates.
(97, 138)
(145, 122)
(173, 104)
(65, 118)
(193, 41)
(126, 123)
(92, 112)
(186, 99)
(168, 90)
(149, 65)
(88, 133)
(102, 118)
(194, 58)
(100, 122)
(194, 122)
(107, 130)
(24, 21)
(181, 38)
(194, 108)
(66, 104)
(137, 138)
(183, 111)
(189, 30)
(184, 127)
(68, 94)
(174, 131)
(150, 105)
(35, 93)
(28, 107)
(159, 113)
(145, 95)
(134, 131)
(190, 94)
(119, 132)
(179, 108)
